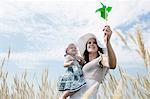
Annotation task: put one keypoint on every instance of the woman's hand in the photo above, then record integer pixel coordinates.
(107, 34)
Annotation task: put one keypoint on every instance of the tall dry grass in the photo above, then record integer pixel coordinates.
(126, 87)
(138, 41)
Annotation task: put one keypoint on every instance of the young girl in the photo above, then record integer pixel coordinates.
(73, 78)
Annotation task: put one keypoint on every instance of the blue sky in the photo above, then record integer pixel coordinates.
(37, 31)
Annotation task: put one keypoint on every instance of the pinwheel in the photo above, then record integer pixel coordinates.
(104, 11)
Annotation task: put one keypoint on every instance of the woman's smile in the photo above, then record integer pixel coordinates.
(92, 47)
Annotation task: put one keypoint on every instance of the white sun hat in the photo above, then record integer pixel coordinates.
(81, 43)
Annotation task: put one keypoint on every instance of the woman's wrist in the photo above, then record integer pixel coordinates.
(108, 43)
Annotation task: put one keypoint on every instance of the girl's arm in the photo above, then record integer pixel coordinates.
(68, 61)
(66, 64)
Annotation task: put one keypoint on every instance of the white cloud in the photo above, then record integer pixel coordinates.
(49, 25)
(30, 60)
(127, 10)
(35, 56)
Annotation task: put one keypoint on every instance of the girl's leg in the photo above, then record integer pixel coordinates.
(66, 94)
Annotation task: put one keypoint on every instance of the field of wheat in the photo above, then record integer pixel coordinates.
(126, 87)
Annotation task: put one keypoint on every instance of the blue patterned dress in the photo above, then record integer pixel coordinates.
(73, 78)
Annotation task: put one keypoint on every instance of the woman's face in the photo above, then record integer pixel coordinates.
(92, 45)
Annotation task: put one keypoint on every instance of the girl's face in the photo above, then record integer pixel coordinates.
(72, 50)
(92, 45)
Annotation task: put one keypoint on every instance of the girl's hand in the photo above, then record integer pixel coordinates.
(107, 34)
(80, 60)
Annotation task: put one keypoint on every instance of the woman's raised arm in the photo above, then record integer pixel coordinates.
(111, 54)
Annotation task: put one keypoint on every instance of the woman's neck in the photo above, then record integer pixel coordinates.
(92, 56)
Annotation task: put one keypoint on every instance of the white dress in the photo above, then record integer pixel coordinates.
(93, 74)
(79, 94)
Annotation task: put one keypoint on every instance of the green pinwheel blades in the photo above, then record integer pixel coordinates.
(104, 11)
(99, 10)
(104, 15)
(103, 5)
(108, 9)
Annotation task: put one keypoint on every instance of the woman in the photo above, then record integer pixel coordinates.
(94, 71)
